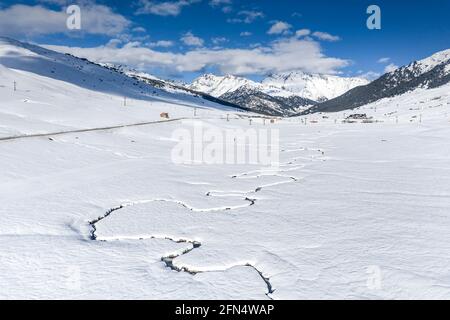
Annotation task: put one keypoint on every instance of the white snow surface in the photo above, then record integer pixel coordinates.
(347, 198)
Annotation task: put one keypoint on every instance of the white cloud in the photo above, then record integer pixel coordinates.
(66, 2)
(114, 43)
(191, 40)
(57, 2)
(161, 44)
(384, 60)
(217, 3)
(279, 27)
(245, 34)
(165, 8)
(370, 75)
(280, 56)
(227, 9)
(225, 5)
(302, 33)
(139, 29)
(390, 67)
(218, 40)
(325, 36)
(247, 16)
(19, 20)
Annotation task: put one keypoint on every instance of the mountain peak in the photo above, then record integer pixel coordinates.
(315, 87)
(422, 66)
(434, 60)
(219, 85)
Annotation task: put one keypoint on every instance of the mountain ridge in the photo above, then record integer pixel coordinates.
(277, 94)
(316, 87)
(430, 72)
(106, 78)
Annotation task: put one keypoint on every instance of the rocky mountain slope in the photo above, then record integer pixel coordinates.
(431, 72)
(259, 101)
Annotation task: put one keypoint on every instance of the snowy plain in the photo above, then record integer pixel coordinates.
(107, 214)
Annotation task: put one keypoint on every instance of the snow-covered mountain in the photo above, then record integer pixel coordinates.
(250, 94)
(431, 72)
(313, 86)
(309, 86)
(258, 101)
(218, 86)
(279, 94)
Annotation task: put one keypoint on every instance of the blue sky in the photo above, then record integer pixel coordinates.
(184, 38)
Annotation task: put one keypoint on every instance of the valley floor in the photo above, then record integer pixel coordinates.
(353, 211)
(94, 207)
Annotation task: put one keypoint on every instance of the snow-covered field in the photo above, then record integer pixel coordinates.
(354, 210)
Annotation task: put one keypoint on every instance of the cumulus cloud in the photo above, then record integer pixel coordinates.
(66, 2)
(325, 36)
(384, 60)
(219, 40)
(280, 56)
(190, 39)
(139, 29)
(113, 43)
(161, 44)
(245, 34)
(279, 27)
(303, 33)
(217, 3)
(247, 16)
(227, 9)
(226, 5)
(25, 20)
(165, 8)
(370, 75)
(390, 67)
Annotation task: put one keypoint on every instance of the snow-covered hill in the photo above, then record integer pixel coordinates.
(431, 72)
(57, 91)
